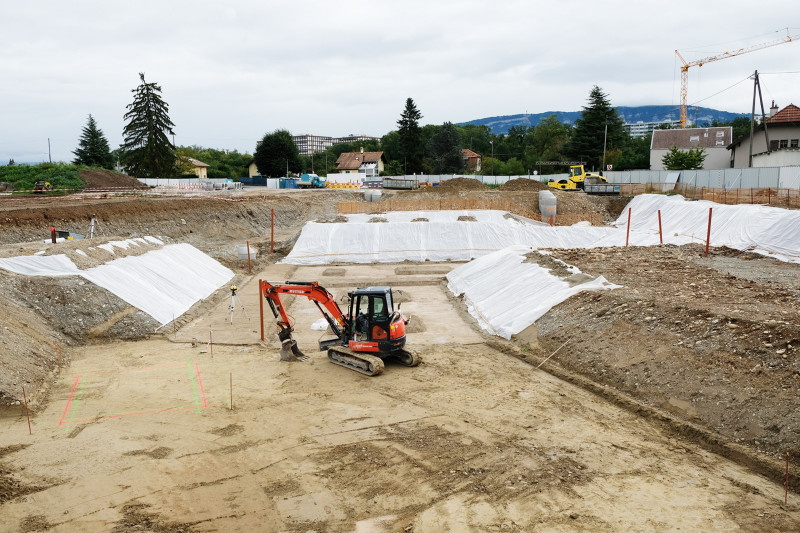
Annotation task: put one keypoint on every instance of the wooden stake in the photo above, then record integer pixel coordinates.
(29, 416)
(660, 235)
(210, 342)
(708, 236)
(627, 235)
(551, 355)
(231, 384)
(272, 231)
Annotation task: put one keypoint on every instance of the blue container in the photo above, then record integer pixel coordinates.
(288, 183)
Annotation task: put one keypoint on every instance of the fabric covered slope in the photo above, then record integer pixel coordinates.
(443, 237)
(506, 294)
(766, 230)
(163, 283)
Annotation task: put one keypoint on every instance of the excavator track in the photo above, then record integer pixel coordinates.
(360, 362)
(406, 358)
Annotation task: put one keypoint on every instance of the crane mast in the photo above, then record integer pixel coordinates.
(724, 55)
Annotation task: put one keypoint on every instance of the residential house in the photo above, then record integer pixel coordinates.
(199, 168)
(472, 160)
(252, 169)
(714, 141)
(783, 130)
(369, 163)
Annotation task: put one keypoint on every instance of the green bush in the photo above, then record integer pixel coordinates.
(60, 176)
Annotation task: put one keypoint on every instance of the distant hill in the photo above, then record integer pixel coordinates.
(647, 113)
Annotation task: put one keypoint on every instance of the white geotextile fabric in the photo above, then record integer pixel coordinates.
(164, 283)
(766, 230)
(442, 238)
(506, 295)
(40, 265)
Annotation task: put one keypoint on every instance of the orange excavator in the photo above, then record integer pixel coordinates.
(371, 332)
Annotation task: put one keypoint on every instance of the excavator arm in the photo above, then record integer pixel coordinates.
(324, 301)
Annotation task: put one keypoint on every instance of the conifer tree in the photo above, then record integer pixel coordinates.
(445, 150)
(411, 149)
(146, 150)
(589, 133)
(93, 149)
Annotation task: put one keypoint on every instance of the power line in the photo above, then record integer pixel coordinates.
(722, 91)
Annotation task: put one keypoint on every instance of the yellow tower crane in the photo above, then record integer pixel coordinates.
(700, 62)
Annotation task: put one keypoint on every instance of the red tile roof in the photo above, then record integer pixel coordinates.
(790, 113)
(469, 154)
(353, 160)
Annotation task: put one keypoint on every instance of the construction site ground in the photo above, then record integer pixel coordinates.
(667, 404)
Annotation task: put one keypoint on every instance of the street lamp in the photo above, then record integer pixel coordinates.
(492, 143)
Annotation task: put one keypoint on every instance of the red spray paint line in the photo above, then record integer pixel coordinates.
(202, 392)
(71, 394)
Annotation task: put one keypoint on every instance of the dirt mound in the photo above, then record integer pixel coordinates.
(523, 184)
(96, 178)
(461, 184)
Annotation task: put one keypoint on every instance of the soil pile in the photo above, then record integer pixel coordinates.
(523, 184)
(96, 178)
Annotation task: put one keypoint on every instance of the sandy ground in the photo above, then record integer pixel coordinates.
(140, 436)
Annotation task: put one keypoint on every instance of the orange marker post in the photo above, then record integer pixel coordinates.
(628, 234)
(660, 235)
(210, 342)
(708, 236)
(261, 306)
(551, 220)
(272, 231)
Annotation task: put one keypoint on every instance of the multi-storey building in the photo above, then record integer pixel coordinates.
(310, 144)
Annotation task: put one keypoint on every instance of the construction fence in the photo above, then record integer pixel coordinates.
(462, 204)
(778, 197)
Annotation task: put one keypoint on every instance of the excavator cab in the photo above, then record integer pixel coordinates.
(375, 324)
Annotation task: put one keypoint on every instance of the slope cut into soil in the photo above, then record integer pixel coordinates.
(97, 178)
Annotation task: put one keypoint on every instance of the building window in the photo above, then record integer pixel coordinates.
(720, 134)
(784, 143)
(694, 138)
(795, 143)
(720, 143)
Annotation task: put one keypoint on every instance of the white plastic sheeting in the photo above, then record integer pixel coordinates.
(767, 230)
(40, 265)
(441, 238)
(506, 294)
(164, 283)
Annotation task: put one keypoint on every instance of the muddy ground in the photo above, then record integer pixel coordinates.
(703, 347)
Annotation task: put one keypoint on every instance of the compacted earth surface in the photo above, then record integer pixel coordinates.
(668, 403)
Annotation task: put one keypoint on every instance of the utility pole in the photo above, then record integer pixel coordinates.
(605, 137)
(49, 155)
(757, 86)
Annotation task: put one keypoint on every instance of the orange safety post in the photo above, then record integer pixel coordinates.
(628, 234)
(551, 220)
(272, 231)
(210, 342)
(660, 235)
(53, 235)
(708, 236)
(249, 267)
(769, 196)
(261, 306)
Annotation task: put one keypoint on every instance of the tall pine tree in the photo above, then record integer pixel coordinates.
(93, 149)
(586, 143)
(146, 150)
(411, 148)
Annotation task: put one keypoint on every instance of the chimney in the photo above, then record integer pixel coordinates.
(773, 109)
(362, 148)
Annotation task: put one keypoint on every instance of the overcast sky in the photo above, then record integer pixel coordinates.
(233, 71)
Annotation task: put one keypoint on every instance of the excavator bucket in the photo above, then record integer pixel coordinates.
(290, 351)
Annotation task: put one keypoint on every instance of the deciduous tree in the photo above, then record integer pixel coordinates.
(93, 149)
(276, 154)
(691, 159)
(147, 150)
(445, 150)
